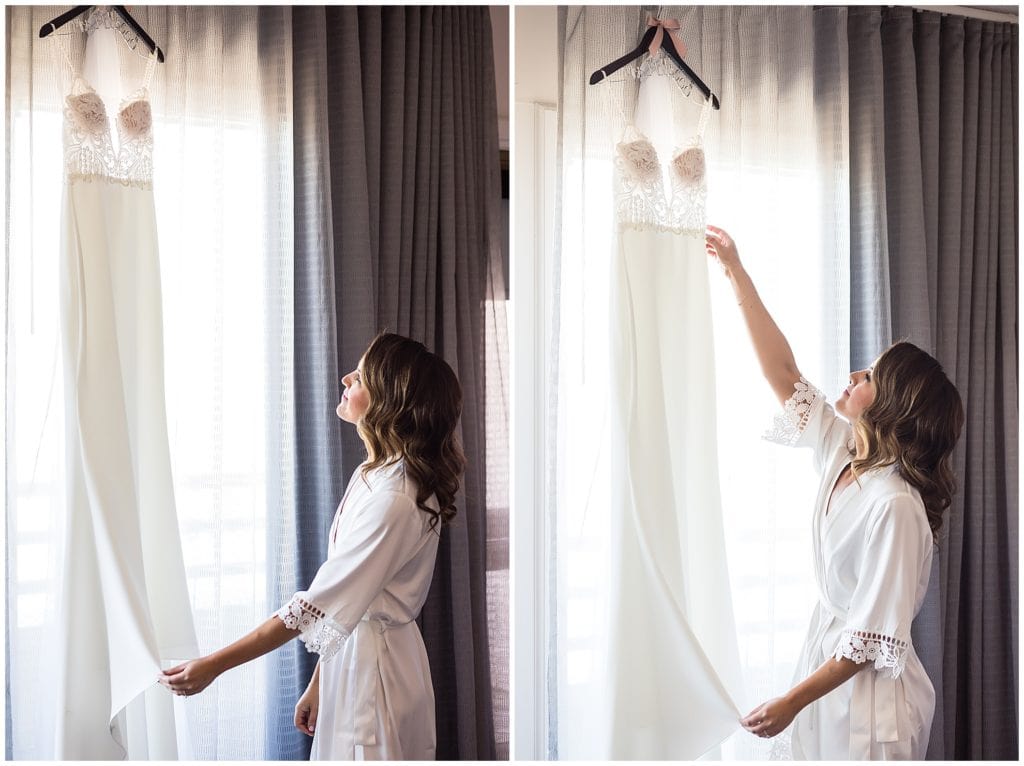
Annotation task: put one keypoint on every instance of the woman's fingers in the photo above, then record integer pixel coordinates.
(720, 246)
(717, 236)
(172, 677)
(753, 718)
(186, 678)
(758, 722)
(768, 719)
(175, 680)
(305, 717)
(170, 682)
(301, 718)
(713, 232)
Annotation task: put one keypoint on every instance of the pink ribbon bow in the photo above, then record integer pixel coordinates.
(673, 27)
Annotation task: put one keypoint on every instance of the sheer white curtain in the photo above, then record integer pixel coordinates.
(778, 182)
(222, 182)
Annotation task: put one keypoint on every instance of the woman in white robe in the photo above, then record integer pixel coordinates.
(886, 478)
(370, 697)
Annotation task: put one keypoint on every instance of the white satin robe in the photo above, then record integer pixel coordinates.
(376, 697)
(872, 560)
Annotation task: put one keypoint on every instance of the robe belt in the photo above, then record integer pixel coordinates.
(877, 700)
(879, 696)
(368, 654)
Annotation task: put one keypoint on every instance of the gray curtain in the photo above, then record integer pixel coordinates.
(300, 538)
(397, 227)
(933, 197)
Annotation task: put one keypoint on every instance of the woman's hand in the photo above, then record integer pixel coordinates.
(190, 677)
(721, 246)
(771, 718)
(307, 707)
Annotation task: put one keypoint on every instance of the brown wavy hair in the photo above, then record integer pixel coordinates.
(913, 423)
(415, 405)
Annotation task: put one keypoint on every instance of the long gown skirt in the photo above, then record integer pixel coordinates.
(675, 660)
(125, 605)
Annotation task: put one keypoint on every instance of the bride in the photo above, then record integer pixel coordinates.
(370, 697)
(883, 453)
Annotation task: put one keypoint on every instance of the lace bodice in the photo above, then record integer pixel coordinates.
(89, 153)
(642, 200)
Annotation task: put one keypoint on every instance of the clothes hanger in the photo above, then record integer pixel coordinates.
(52, 26)
(654, 27)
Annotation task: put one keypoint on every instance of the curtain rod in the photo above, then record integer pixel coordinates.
(972, 13)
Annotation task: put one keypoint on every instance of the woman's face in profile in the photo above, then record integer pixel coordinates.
(355, 399)
(858, 396)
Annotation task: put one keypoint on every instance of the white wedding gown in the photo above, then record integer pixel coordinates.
(125, 603)
(675, 665)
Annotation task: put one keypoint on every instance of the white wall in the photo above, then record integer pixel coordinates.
(534, 163)
(537, 54)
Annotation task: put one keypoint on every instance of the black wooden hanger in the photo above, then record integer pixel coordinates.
(642, 48)
(52, 26)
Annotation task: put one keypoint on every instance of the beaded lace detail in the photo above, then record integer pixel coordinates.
(321, 634)
(104, 17)
(789, 424)
(89, 153)
(641, 202)
(885, 651)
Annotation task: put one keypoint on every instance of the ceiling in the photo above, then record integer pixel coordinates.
(1010, 9)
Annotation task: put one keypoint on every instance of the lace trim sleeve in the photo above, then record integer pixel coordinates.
(885, 651)
(789, 425)
(321, 634)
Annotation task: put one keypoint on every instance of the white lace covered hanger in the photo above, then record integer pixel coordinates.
(113, 17)
(661, 37)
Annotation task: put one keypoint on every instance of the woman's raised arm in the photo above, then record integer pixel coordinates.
(778, 364)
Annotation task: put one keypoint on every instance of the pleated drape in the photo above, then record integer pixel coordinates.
(397, 224)
(944, 260)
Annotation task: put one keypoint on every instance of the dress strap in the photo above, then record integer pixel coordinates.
(632, 133)
(63, 47)
(705, 114)
(626, 121)
(150, 66)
